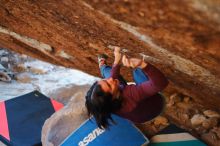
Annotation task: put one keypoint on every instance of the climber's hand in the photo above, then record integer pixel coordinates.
(117, 54)
(133, 62)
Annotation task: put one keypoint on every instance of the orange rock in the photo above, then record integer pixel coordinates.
(197, 119)
(160, 121)
(211, 114)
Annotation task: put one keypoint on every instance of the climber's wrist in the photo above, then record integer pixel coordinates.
(143, 65)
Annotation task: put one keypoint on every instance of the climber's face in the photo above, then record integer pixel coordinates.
(110, 85)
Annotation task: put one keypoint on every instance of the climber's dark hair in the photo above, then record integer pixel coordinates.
(100, 105)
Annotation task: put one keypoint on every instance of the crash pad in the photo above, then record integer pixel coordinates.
(22, 118)
(174, 136)
(121, 133)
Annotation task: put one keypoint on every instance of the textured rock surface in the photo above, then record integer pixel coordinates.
(182, 37)
(211, 114)
(197, 120)
(161, 121)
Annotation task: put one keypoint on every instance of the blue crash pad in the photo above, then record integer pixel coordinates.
(123, 133)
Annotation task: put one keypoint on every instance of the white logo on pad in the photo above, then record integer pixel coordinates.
(91, 136)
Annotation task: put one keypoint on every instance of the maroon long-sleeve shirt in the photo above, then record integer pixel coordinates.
(142, 102)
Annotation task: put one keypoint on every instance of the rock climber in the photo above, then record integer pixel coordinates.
(138, 103)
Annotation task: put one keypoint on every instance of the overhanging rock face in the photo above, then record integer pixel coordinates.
(181, 38)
